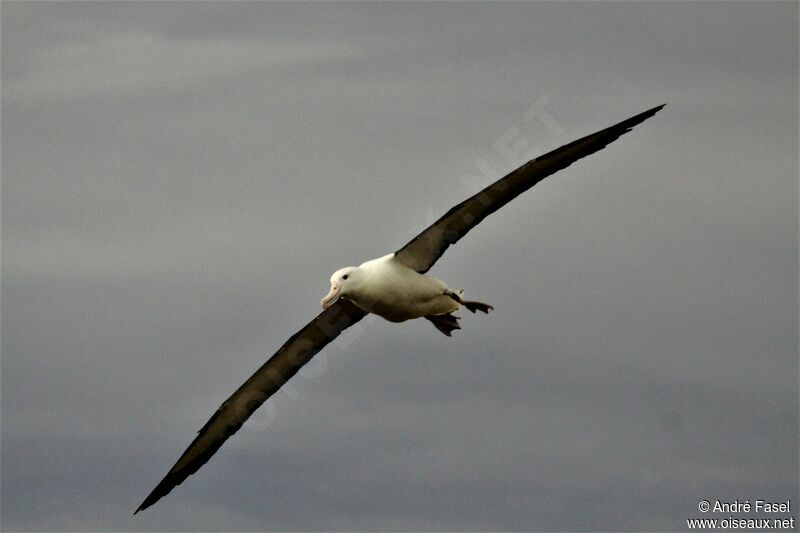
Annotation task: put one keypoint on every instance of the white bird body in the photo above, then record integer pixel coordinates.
(388, 288)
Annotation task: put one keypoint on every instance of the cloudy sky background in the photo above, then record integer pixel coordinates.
(180, 180)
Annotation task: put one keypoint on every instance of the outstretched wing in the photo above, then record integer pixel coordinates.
(230, 416)
(427, 247)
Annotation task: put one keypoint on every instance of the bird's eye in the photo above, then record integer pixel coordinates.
(344, 277)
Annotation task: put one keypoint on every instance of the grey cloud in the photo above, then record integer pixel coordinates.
(179, 181)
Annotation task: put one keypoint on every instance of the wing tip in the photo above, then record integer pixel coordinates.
(146, 503)
(166, 485)
(641, 117)
(627, 125)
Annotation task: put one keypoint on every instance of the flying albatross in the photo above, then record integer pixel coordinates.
(394, 287)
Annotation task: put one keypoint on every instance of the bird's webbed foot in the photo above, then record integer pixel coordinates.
(445, 323)
(470, 305)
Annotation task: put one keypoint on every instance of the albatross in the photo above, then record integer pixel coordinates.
(395, 287)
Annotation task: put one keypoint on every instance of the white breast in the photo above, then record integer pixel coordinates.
(397, 293)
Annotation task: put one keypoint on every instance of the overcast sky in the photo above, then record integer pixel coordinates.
(180, 180)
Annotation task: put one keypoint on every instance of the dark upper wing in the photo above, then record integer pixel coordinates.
(424, 249)
(230, 416)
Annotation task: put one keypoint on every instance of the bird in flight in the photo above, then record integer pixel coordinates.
(395, 287)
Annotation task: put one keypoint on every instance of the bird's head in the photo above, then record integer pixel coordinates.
(342, 283)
